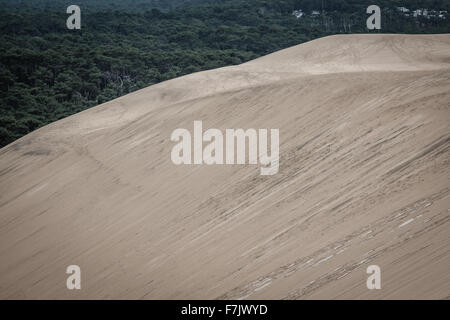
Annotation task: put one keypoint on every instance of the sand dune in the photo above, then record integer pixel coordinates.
(364, 180)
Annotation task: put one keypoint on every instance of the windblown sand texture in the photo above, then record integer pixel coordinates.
(364, 180)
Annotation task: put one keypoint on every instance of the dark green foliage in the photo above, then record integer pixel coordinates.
(48, 72)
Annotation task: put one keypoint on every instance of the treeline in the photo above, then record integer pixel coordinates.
(48, 72)
(100, 5)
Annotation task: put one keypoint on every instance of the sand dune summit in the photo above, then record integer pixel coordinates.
(363, 180)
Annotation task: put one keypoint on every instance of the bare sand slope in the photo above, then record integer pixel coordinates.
(364, 179)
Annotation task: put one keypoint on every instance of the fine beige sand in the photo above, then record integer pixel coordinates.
(364, 180)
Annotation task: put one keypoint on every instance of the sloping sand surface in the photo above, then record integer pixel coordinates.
(364, 180)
